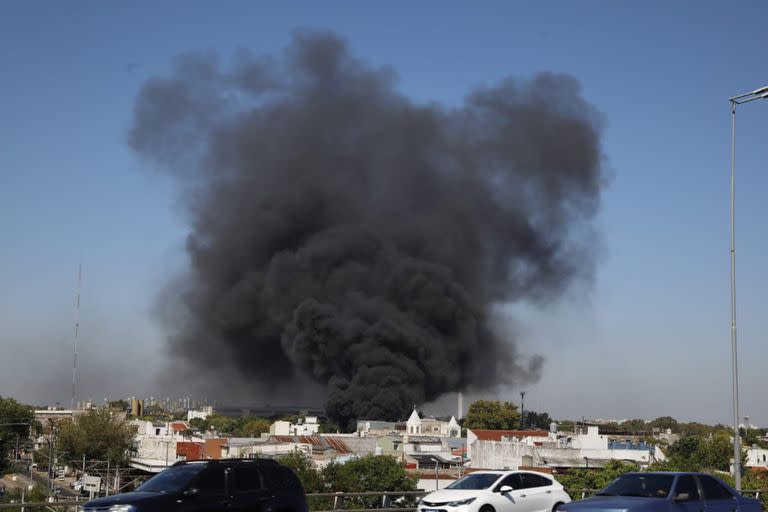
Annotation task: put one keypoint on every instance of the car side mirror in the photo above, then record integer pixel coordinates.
(504, 489)
(682, 496)
(194, 491)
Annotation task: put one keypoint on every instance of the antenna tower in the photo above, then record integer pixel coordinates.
(77, 330)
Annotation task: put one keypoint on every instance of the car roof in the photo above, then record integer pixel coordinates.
(228, 462)
(668, 473)
(508, 472)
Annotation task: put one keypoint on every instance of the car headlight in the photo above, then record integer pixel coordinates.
(460, 503)
(122, 508)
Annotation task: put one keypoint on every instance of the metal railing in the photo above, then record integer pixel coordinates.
(55, 506)
(334, 501)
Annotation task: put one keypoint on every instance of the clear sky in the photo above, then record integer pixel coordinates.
(650, 338)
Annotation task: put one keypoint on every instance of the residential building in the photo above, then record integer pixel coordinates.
(757, 458)
(415, 425)
(515, 449)
(309, 426)
(201, 413)
(367, 428)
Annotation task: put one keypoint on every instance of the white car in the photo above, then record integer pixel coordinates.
(498, 491)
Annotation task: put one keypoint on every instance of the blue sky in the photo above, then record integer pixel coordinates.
(650, 338)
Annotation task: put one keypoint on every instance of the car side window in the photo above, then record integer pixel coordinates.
(714, 490)
(532, 480)
(513, 481)
(211, 481)
(687, 485)
(247, 479)
(282, 480)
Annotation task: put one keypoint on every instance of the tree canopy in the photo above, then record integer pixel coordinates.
(492, 414)
(97, 434)
(15, 423)
(369, 473)
(539, 420)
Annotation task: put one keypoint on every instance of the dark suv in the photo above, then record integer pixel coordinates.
(253, 485)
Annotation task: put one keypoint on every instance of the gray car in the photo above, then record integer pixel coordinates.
(666, 492)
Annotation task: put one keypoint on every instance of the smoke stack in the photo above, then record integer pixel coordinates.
(342, 234)
(460, 413)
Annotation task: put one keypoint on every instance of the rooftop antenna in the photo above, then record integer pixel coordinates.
(77, 330)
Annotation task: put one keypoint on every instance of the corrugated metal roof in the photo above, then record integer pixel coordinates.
(320, 442)
(337, 444)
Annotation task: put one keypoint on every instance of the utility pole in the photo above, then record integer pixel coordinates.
(757, 94)
(522, 410)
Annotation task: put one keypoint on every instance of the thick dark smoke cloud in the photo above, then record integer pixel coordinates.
(343, 232)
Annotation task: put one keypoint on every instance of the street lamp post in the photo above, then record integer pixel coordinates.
(757, 94)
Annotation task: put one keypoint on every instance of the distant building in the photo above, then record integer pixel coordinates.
(308, 427)
(137, 408)
(490, 449)
(367, 428)
(431, 426)
(202, 414)
(157, 445)
(55, 414)
(757, 458)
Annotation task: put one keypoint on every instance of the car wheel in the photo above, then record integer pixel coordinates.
(554, 509)
(487, 508)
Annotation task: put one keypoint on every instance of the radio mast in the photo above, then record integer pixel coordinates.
(77, 330)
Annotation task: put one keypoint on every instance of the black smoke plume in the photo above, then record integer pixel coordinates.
(342, 232)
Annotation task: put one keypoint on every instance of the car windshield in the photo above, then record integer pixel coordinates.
(475, 481)
(646, 486)
(172, 479)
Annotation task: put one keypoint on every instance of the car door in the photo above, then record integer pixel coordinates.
(717, 497)
(686, 485)
(515, 500)
(538, 492)
(248, 491)
(209, 491)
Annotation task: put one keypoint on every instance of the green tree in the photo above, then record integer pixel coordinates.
(665, 422)
(15, 423)
(253, 427)
(301, 463)
(577, 480)
(223, 424)
(537, 420)
(634, 425)
(492, 414)
(753, 482)
(694, 453)
(696, 429)
(97, 435)
(369, 473)
(38, 494)
(198, 423)
(752, 437)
